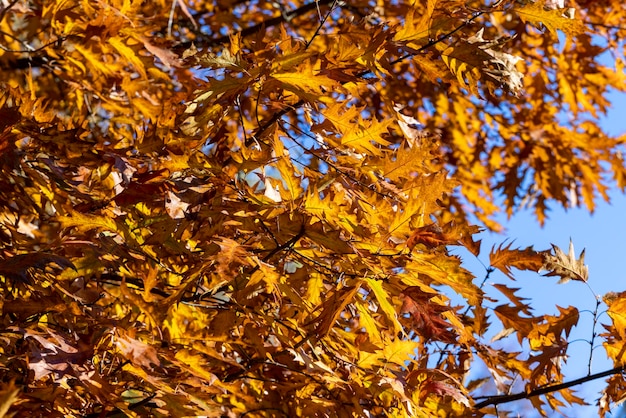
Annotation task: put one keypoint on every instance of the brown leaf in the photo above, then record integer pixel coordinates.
(139, 353)
(167, 57)
(566, 265)
(431, 236)
(8, 119)
(55, 353)
(439, 388)
(426, 315)
(21, 268)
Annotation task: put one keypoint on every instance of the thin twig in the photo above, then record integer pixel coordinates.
(594, 334)
(319, 27)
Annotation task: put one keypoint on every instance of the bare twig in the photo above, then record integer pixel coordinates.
(319, 27)
(594, 334)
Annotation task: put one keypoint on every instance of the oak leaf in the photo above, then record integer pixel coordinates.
(431, 236)
(503, 258)
(426, 315)
(566, 266)
(137, 352)
(538, 14)
(332, 309)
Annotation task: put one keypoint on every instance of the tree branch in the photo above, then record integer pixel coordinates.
(542, 390)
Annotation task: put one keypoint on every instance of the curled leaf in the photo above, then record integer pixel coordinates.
(566, 265)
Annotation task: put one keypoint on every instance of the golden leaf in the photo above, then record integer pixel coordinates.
(503, 258)
(536, 13)
(376, 286)
(129, 54)
(306, 82)
(416, 25)
(399, 351)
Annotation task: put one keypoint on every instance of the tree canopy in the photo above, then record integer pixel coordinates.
(246, 207)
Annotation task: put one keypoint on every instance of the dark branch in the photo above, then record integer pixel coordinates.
(319, 27)
(24, 63)
(496, 400)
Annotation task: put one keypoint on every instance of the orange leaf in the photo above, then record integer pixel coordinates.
(536, 13)
(504, 258)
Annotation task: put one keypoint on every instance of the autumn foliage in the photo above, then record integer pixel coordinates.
(247, 208)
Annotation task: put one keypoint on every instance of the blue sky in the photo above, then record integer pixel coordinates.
(602, 234)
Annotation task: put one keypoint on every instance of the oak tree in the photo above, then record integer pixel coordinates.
(246, 207)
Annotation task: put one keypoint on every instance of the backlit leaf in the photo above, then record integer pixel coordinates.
(537, 14)
(503, 258)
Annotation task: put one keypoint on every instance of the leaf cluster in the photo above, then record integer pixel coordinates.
(239, 208)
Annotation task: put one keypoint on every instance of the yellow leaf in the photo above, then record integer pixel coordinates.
(318, 207)
(8, 396)
(399, 351)
(465, 60)
(367, 138)
(88, 222)
(360, 135)
(196, 364)
(306, 83)
(405, 163)
(423, 195)
(383, 301)
(332, 308)
(129, 54)
(229, 86)
(370, 325)
(617, 312)
(287, 62)
(341, 119)
(537, 14)
(315, 286)
(291, 183)
(95, 60)
(432, 69)
(368, 359)
(416, 28)
(265, 273)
